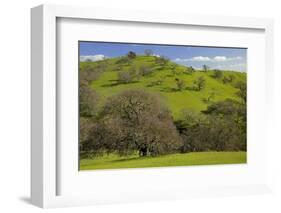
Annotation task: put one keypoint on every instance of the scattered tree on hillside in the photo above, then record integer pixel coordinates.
(200, 83)
(228, 79)
(156, 82)
(102, 65)
(135, 73)
(217, 74)
(210, 97)
(173, 69)
(148, 52)
(231, 77)
(145, 70)
(124, 77)
(189, 70)
(131, 55)
(162, 60)
(225, 80)
(205, 68)
(192, 69)
(180, 84)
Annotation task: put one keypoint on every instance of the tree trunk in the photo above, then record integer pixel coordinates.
(143, 151)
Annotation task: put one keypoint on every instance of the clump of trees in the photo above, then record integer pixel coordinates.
(88, 109)
(89, 73)
(86, 126)
(233, 114)
(242, 91)
(137, 121)
(222, 127)
(88, 98)
(88, 101)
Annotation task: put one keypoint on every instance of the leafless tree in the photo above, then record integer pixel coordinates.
(137, 121)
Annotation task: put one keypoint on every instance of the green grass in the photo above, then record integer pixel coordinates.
(106, 85)
(196, 158)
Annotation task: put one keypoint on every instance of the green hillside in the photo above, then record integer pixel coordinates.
(162, 79)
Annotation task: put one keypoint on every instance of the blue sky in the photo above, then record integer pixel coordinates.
(214, 57)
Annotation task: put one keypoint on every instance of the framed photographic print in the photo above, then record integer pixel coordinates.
(129, 106)
(150, 105)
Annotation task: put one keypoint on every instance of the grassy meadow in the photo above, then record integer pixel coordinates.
(187, 159)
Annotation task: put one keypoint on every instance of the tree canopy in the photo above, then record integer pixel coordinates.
(136, 121)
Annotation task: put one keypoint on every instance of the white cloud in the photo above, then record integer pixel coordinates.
(239, 67)
(224, 58)
(156, 55)
(208, 59)
(199, 58)
(98, 57)
(196, 58)
(217, 62)
(220, 58)
(232, 65)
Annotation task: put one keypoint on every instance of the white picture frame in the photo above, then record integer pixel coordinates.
(44, 149)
